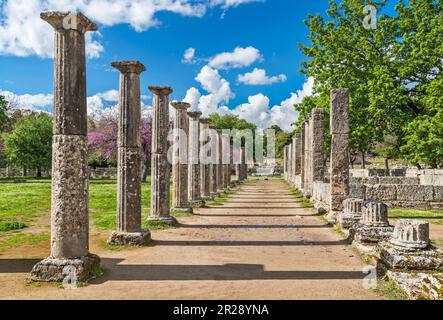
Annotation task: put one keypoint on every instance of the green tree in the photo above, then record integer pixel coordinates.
(391, 70)
(230, 122)
(3, 112)
(29, 143)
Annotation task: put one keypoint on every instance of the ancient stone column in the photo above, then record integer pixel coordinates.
(226, 149)
(194, 183)
(214, 163)
(302, 156)
(129, 209)
(220, 176)
(69, 209)
(285, 159)
(339, 150)
(180, 201)
(318, 169)
(205, 167)
(244, 165)
(160, 171)
(298, 154)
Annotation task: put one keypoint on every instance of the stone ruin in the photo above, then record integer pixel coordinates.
(410, 248)
(372, 228)
(69, 208)
(351, 214)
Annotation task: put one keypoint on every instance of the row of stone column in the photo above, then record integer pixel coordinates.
(193, 181)
(304, 160)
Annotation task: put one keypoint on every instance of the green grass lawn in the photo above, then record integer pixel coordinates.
(21, 205)
(433, 216)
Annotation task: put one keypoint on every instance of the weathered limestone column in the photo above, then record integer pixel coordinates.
(160, 172)
(129, 209)
(298, 154)
(285, 163)
(194, 188)
(214, 163)
(339, 150)
(302, 156)
(307, 154)
(318, 169)
(205, 168)
(226, 149)
(290, 158)
(69, 208)
(244, 165)
(220, 176)
(180, 200)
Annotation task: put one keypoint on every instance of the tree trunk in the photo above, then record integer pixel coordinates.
(39, 172)
(25, 172)
(387, 170)
(363, 160)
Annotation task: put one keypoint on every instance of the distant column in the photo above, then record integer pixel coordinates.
(69, 208)
(214, 163)
(160, 171)
(180, 200)
(339, 150)
(302, 156)
(194, 183)
(318, 168)
(298, 154)
(205, 168)
(220, 177)
(129, 209)
(226, 148)
(244, 165)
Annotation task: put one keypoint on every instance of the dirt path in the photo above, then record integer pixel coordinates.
(260, 245)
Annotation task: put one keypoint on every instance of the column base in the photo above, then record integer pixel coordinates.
(215, 195)
(53, 269)
(347, 220)
(135, 239)
(182, 210)
(331, 217)
(197, 204)
(208, 198)
(167, 220)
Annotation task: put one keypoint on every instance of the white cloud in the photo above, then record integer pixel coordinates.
(259, 77)
(193, 97)
(189, 55)
(219, 90)
(240, 57)
(23, 33)
(259, 112)
(225, 4)
(29, 101)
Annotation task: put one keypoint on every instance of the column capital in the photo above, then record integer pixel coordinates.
(205, 121)
(318, 111)
(161, 91)
(68, 21)
(180, 105)
(129, 66)
(195, 114)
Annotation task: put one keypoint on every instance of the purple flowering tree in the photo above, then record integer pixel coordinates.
(102, 141)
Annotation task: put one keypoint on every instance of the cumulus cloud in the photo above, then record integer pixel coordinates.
(239, 58)
(259, 112)
(23, 33)
(29, 101)
(189, 56)
(225, 4)
(219, 91)
(259, 77)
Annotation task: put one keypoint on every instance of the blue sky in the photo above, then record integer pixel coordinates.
(265, 34)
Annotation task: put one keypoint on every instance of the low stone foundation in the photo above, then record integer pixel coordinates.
(129, 239)
(55, 270)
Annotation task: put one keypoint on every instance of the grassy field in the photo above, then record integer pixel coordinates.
(25, 209)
